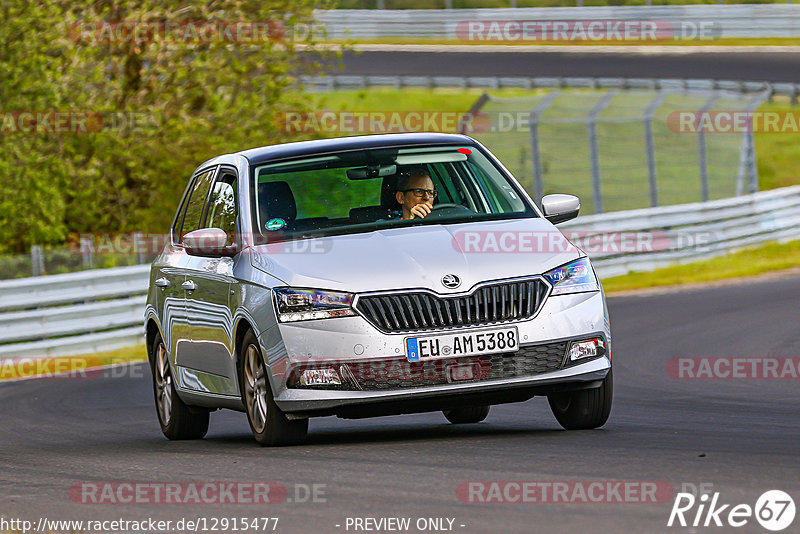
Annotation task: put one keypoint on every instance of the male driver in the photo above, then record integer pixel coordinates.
(415, 193)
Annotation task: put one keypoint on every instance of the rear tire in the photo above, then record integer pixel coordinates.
(583, 409)
(467, 415)
(177, 420)
(269, 424)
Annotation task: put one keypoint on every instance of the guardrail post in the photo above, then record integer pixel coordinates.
(752, 168)
(138, 247)
(747, 150)
(465, 124)
(87, 252)
(650, 146)
(37, 260)
(536, 158)
(593, 151)
(701, 149)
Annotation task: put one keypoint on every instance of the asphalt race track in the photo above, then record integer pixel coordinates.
(756, 66)
(741, 436)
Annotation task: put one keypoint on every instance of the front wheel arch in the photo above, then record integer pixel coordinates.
(152, 331)
(241, 329)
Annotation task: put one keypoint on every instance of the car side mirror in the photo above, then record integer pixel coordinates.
(559, 208)
(208, 242)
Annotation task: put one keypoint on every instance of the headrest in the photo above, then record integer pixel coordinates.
(275, 200)
(388, 191)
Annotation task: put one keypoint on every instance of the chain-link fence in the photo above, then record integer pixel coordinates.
(619, 149)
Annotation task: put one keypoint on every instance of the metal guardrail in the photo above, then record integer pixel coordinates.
(338, 82)
(688, 232)
(92, 311)
(75, 313)
(743, 20)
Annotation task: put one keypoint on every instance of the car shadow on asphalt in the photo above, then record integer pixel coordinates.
(422, 433)
(400, 433)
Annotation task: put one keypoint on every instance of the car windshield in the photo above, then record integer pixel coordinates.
(365, 190)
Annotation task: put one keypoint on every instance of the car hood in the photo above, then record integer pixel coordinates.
(418, 256)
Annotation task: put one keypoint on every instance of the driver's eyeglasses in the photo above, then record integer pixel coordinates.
(419, 193)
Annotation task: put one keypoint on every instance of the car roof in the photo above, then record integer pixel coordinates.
(321, 146)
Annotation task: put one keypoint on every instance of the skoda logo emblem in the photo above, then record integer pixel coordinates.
(451, 281)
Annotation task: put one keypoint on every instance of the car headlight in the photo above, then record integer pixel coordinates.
(574, 277)
(295, 304)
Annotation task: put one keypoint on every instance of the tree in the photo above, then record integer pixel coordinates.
(161, 96)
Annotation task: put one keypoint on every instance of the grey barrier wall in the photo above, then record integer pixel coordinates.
(688, 21)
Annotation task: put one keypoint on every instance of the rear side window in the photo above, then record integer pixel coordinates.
(178, 221)
(196, 203)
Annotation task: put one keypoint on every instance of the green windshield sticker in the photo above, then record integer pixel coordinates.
(275, 224)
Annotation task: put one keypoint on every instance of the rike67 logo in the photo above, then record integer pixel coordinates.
(774, 510)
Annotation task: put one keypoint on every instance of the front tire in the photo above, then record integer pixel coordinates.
(467, 415)
(583, 409)
(269, 424)
(177, 420)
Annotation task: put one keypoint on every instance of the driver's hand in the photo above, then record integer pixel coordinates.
(420, 210)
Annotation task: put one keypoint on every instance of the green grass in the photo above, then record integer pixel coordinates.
(778, 154)
(746, 262)
(71, 365)
(389, 99)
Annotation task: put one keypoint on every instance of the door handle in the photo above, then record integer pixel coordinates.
(163, 283)
(189, 285)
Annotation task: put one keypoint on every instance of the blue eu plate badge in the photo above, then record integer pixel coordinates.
(412, 349)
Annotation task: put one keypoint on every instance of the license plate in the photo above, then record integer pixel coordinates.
(462, 344)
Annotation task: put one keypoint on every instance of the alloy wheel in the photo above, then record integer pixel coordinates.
(255, 388)
(163, 384)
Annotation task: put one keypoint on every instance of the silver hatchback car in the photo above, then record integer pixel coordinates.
(367, 276)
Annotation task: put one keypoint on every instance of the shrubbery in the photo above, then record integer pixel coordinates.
(189, 101)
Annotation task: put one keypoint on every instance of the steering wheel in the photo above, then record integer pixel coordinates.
(440, 210)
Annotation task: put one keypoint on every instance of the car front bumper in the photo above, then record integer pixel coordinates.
(353, 341)
(331, 402)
